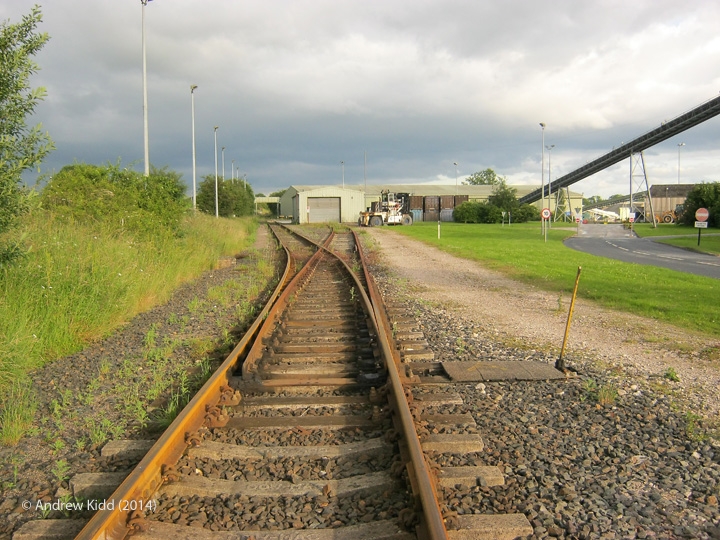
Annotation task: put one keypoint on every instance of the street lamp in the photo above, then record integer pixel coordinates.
(542, 174)
(549, 149)
(456, 175)
(679, 147)
(223, 163)
(145, 100)
(232, 170)
(217, 208)
(343, 173)
(192, 115)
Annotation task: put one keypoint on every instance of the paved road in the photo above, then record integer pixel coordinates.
(614, 242)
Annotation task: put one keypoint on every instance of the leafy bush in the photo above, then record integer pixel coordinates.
(703, 196)
(121, 198)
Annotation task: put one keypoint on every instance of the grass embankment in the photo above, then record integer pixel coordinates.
(684, 236)
(79, 282)
(684, 300)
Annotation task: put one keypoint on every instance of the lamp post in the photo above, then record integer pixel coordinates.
(217, 208)
(456, 175)
(145, 100)
(232, 170)
(192, 116)
(223, 163)
(343, 173)
(542, 175)
(549, 149)
(680, 145)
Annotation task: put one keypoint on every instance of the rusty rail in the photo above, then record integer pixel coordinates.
(427, 492)
(145, 479)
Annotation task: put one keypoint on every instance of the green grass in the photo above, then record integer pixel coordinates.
(684, 300)
(78, 282)
(684, 236)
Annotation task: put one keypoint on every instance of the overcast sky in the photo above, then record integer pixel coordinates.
(298, 86)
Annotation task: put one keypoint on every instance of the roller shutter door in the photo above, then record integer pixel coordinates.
(324, 209)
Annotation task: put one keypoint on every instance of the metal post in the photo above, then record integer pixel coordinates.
(217, 207)
(456, 175)
(542, 177)
(560, 364)
(145, 99)
(192, 114)
(223, 163)
(679, 147)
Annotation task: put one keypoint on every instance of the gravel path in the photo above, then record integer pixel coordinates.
(615, 452)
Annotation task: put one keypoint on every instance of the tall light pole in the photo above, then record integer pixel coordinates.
(217, 207)
(679, 147)
(145, 100)
(456, 175)
(232, 170)
(192, 116)
(343, 173)
(223, 163)
(542, 175)
(549, 149)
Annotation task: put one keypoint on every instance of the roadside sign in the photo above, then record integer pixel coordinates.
(545, 213)
(632, 219)
(701, 225)
(701, 214)
(577, 220)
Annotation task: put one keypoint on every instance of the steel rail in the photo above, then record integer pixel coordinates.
(146, 478)
(434, 522)
(427, 492)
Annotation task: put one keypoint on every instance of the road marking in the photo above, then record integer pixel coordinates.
(624, 249)
(669, 257)
(709, 264)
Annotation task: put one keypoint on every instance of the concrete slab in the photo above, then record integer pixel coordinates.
(96, 486)
(213, 487)
(501, 371)
(379, 530)
(471, 476)
(450, 443)
(126, 449)
(491, 527)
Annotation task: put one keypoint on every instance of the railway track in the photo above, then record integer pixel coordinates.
(315, 426)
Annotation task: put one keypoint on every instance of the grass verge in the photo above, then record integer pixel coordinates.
(78, 282)
(684, 300)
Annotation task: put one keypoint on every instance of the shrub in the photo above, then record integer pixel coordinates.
(121, 198)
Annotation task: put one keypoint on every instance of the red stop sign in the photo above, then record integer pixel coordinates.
(701, 214)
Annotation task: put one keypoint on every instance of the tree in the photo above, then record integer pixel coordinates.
(488, 177)
(21, 147)
(703, 196)
(504, 197)
(235, 198)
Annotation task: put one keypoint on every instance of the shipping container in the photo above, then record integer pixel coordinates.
(432, 215)
(432, 203)
(459, 199)
(446, 215)
(417, 213)
(447, 202)
(416, 202)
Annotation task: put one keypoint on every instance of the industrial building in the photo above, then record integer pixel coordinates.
(321, 204)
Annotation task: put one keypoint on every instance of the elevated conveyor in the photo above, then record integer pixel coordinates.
(692, 118)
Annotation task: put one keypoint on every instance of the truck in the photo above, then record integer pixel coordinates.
(389, 210)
